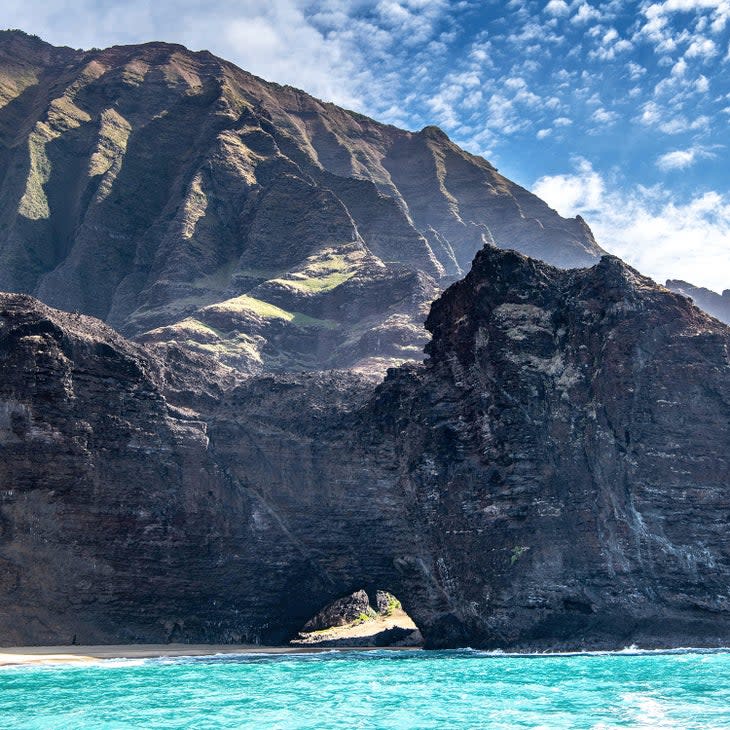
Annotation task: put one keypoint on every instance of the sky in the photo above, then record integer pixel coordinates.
(613, 110)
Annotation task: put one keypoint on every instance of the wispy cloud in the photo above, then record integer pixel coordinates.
(604, 116)
(682, 159)
(585, 13)
(701, 47)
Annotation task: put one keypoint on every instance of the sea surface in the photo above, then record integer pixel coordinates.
(396, 689)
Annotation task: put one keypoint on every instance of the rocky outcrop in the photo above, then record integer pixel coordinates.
(183, 200)
(718, 305)
(340, 612)
(566, 451)
(357, 606)
(554, 476)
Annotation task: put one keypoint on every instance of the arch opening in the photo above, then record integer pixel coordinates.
(363, 618)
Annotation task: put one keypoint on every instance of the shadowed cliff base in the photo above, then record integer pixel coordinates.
(553, 476)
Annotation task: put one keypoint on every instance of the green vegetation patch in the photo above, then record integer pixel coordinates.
(193, 326)
(316, 284)
(325, 270)
(517, 552)
(329, 261)
(263, 309)
(230, 347)
(365, 617)
(205, 338)
(393, 605)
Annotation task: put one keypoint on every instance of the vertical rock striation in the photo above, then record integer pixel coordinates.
(566, 446)
(183, 200)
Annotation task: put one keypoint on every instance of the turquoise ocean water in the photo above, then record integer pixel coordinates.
(405, 689)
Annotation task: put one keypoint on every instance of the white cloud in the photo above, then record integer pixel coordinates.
(655, 115)
(678, 86)
(532, 31)
(603, 116)
(503, 117)
(557, 7)
(668, 37)
(585, 14)
(679, 68)
(515, 83)
(688, 5)
(680, 124)
(649, 228)
(682, 159)
(636, 71)
(701, 47)
(608, 49)
(542, 133)
(583, 189)
(720, 17)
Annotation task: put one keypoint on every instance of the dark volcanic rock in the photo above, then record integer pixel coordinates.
(340, 612)
(183, 200)
(566, 449)
(555, 475)
(118, 523)
(385, 603)
(96, 469)
(398, 636)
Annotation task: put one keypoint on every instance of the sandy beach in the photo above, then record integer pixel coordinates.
(354, 636)
(10, 656)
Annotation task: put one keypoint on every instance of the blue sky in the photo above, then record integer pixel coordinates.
(615, 110)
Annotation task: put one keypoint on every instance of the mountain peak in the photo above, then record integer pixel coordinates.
(181, 199)
(503, 279)
(433, 132)
(718, 305)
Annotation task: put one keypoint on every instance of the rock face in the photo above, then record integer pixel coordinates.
(340, 612)
(118, 522)
(718, 305)
(554, 476)
(94, 461)
(566, 448)
(183, 200)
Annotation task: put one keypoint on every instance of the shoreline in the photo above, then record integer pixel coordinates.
(32, 655)
(88, 654)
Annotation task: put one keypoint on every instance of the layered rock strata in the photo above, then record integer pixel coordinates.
(555, 475)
